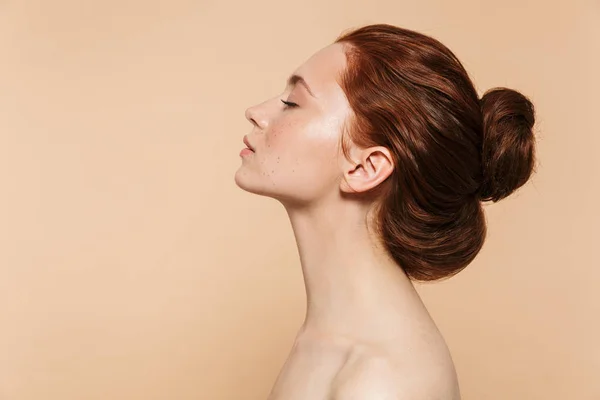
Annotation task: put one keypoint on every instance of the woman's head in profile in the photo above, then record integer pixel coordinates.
(386, 122)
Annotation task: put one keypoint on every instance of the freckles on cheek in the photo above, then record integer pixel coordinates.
(283, 133)
(274, 138)
(282, 151)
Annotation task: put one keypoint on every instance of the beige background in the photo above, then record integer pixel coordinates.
(132, 267)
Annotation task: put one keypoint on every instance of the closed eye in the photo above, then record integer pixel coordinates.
(289, 104)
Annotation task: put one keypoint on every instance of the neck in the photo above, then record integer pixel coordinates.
(353, 288)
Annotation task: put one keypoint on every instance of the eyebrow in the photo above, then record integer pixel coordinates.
(294, 79)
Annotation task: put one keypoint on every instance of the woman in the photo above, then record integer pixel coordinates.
(381, 152)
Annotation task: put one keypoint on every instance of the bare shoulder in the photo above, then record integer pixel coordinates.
(375, 376)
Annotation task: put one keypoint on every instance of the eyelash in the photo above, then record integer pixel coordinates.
(289, 104)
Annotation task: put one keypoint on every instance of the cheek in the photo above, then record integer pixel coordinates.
(282, 153)
(283, 135)
(284, 147)
(301, 136)
(297, 152)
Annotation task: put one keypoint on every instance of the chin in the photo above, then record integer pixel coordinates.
(247, 182)
(288, 192)
(241, 179)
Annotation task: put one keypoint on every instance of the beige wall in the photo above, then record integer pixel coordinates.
(132, 267)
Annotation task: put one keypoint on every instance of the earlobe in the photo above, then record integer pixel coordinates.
(373, 167)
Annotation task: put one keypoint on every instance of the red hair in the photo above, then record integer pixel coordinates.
(451, 150)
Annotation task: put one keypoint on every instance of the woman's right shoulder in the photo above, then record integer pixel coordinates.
(416, 371)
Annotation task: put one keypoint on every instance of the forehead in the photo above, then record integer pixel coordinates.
(322, 69)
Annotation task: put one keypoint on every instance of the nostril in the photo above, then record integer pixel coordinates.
(249, 116)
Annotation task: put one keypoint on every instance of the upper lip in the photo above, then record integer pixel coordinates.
(247, 143)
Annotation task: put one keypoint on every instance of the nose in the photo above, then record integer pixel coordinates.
(256, 117)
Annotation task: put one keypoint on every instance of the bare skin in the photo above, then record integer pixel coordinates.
(366, 335)
(371, 339)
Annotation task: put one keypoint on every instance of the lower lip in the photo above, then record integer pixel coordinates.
(246, 152)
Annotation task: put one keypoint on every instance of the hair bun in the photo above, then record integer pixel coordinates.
(508, 151)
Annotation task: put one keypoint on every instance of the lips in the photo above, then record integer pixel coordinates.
(247, 143)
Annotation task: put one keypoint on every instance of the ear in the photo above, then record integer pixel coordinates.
(372, 166)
